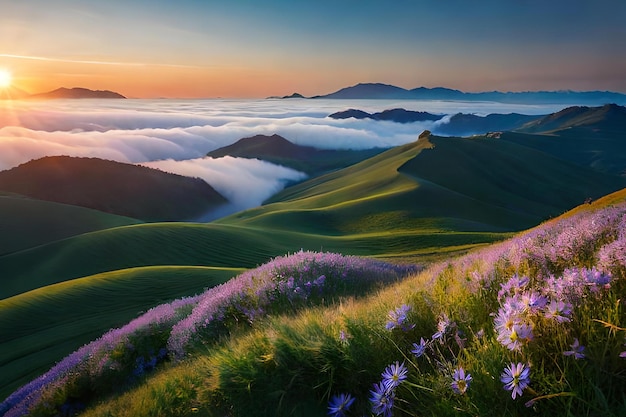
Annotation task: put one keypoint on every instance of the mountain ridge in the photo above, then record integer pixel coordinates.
(388, 91)
(113, 187)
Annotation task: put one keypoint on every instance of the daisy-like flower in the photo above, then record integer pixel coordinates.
(516, 377)
(577, 350)
(515, 337)
(382, 398)
(558, 311)
(419, 348)
(339, 404)
(461, 381)
(394, 374)
(398, 319)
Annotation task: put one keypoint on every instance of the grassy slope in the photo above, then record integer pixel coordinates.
(307, 331)
(42, 326)
(31, 222)
(472, 185)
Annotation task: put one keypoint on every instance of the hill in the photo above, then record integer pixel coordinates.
(588, 136)
(39, 329)
(609, 117)
(462, 124)
(30, 222)
(278, 150)
(459, 124)
(442, 340)
(76, 93)
(113, 187)
(437, 187)
(394, 115)
(386, 91)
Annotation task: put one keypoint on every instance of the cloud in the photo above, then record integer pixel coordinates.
(175, 135)
(244, 182)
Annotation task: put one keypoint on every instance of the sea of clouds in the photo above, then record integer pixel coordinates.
(175, 135)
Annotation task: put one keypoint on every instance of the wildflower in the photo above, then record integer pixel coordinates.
(533, 301)
(442, 327)
(343, 337)
(516, 336)
(516, 378)
(419, 349)
(398, 318)
(577, 350)
(382, 398)
(558, 310)
(339, 404)
(513, 285)
(394, 374)
(461, 381)
(623, 354)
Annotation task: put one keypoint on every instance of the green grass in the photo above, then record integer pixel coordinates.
(42, 326)
(292, 365)
(30, 222)
(434, 185)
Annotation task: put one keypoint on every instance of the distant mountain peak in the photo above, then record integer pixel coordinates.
(75, 93)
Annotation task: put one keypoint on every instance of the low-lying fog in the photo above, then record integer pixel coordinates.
(175, 135)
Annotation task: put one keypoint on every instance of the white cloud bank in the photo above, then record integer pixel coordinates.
(175, 134)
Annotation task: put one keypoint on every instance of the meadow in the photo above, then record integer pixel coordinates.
(533, 325)
(376, 289)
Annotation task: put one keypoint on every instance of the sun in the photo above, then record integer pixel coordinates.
(5, 78)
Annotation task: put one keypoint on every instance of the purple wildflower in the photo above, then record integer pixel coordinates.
(461, 381)
(339, 404)
(516, 377)
(382, 398)
(398, 318)
(442, 327)
(577, 350)
(559, 311)
(419, 348)
(516, 336)
(394, 374)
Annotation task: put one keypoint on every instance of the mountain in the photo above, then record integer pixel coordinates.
(608, 117)
(593, 137)
(278, 150)
(113, 187)
(369, 91)
(294, 95)
(394, 115)
(77, 92)
(386, 91)
(462, 124)
(441, 184)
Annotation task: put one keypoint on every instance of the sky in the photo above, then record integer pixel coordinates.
(254, 49)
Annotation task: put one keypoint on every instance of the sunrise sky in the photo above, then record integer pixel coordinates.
(249, 49)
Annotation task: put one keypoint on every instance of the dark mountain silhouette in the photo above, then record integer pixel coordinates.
(589, 136)
(113, 187)
(386, 91)
(278, 150)
(462, 124)
(607, 117)
(76, 92)
(394, 115)
(294, 95)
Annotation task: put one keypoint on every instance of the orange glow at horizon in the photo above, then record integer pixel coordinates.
(6, 78)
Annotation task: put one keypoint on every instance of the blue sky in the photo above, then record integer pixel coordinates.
(187, 48)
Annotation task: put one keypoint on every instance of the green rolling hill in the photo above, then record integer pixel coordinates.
(421, 201)
(42, 326)
(434, 185)
(30, 222)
